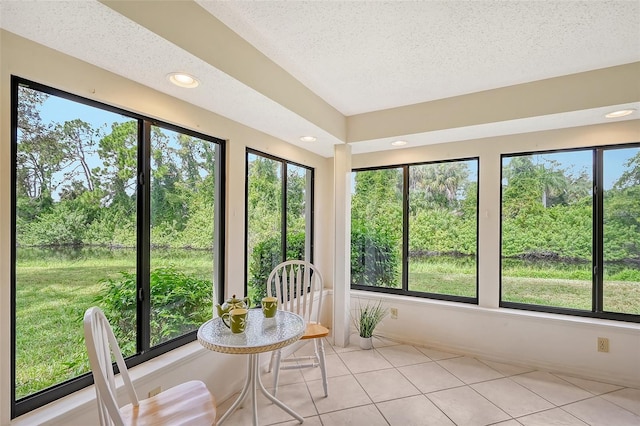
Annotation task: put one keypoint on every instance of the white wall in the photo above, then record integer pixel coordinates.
(554, 342)
(550, 342)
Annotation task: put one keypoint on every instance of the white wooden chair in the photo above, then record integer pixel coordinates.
(298, 288)
(189, 403)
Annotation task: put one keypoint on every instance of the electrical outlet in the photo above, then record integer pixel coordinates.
(394, 313)
(155, 391)
(603, 344)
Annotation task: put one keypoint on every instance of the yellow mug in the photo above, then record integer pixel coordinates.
(269, 306)
(237, 320)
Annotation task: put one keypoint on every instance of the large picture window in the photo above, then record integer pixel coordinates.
(279, 217)
(110, 210)
(571, 232)
(414, 230)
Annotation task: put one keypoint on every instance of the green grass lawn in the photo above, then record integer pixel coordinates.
(451, 276)
(574, 294)
(53, 292)
(51, 300)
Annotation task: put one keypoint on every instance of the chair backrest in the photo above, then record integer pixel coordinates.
(297, 285)
(101, 345)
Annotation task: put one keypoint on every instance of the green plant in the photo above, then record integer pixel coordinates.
(374, 257)
(368, 317)
(265, 256)
(179, 304)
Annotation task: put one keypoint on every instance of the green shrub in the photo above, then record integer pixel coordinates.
(623, 274)
(61, 226)
(374, 259)
(265, 256)
(179, 304)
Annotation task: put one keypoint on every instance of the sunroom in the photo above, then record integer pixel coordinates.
(492, 210)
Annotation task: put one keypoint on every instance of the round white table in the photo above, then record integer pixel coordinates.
(261, 335)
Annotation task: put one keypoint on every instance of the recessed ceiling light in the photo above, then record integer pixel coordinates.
(183, 80)
(620, 113)
(399, 143)
(308, 139)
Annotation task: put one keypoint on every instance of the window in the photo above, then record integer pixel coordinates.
(571, 233)
(376, 228)
(414, 230)
(111, 210)
(279, 217)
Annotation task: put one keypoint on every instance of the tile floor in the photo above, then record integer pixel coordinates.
(399, 384)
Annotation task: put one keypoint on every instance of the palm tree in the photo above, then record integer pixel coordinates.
(440, 183)
(552, 180)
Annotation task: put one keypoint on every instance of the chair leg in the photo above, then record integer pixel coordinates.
(323, 369)
(276, 373)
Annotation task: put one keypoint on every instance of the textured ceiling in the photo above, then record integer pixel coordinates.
(367, 56)
(356, 56)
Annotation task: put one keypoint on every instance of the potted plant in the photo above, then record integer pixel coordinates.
(366, 320)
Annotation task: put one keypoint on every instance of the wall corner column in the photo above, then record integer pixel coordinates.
(489, 231)
(342, 241)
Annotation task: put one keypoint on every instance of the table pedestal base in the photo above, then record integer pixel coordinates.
(251, 384)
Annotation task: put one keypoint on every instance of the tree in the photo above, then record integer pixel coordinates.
(547, 211)
(622, 214)
(577, 189)
(296, 194)
(168, 209)
(631, 175)
(552, 180)
(78, 139)
(377, 197)
(190, 152)
(39, 155)
(263, 199)
(376, 227)
(546, 181)
(119, 154)
(437, 184)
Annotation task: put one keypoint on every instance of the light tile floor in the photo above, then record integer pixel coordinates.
(399, 384)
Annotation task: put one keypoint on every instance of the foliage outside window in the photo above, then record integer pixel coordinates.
(571, 232)
(414, 229)
(108, 207)
(376, 228)
(443, 228)
(279, 217)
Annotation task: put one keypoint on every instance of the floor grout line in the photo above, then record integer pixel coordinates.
(318, 417)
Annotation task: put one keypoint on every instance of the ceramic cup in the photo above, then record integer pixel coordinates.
(237, 320)
(269, 306)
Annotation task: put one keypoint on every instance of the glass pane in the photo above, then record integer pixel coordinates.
(622, 231)
(183, 188)
(298, 193)
(264, 222)
(443, 228)
(376, 228)
(75, 232)
(547, 229)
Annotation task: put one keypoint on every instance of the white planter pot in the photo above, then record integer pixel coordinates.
(366, 342)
